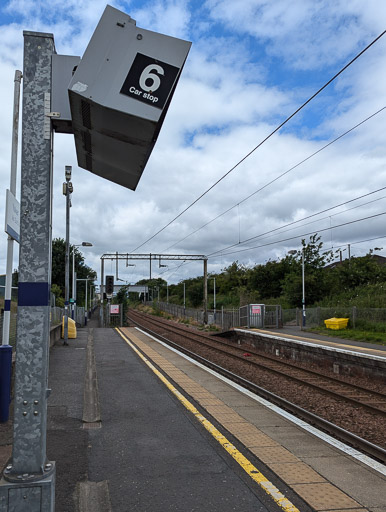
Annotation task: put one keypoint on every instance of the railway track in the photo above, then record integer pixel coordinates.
(342, 402)
(358, 395)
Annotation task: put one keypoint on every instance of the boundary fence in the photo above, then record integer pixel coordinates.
(358, 317)
(273, 316)
(109, 319)
(225, 319)
(55, 319)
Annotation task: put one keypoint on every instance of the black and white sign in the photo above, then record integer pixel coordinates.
(149, 80)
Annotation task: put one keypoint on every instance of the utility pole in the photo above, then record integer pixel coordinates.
(12, 189)
(28, 481)
(205, 291)
(303, 292)
(67, 190)
(5, 347)
(214, 299)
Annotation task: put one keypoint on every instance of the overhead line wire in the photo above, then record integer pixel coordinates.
(277, 177)
(264, 140)
(299, 220)
(297, 236)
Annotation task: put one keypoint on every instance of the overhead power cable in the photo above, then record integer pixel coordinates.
(297, 236)
(338, 247)
(301, 220)
(277, 178)
(263, 141)
(359, 242)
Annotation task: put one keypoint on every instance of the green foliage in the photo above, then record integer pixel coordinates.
(357, 282)
(316, 278)
(358, 334)
(59, 300)
(58, 269)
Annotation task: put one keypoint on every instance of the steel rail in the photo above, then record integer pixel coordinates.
(317, 386)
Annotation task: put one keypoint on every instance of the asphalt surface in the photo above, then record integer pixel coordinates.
(155, 456)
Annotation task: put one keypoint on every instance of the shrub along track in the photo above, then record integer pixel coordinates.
(357, 411)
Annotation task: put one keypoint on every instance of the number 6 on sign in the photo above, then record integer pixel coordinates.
(150, 80)
(147, 75)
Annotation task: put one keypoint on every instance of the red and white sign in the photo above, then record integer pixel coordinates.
(114, 309)
(256, 310)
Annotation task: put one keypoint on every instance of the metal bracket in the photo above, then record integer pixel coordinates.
(48, 115)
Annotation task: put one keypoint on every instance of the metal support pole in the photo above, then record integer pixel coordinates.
(73, 290)
(68, 169)
(205, 291)
(5, 347)
(85, 306)
(12, 189)
(167, 293)
(214, 299)
(150, 264)
(29, 479)
(303, 292)
(102, 292)
(184, 297)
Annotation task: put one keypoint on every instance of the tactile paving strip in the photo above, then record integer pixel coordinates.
(324, 496)
(321, 495)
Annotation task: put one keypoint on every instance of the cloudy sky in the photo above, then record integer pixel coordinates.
(252, 64)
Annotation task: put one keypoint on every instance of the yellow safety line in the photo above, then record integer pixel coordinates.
(247, 466)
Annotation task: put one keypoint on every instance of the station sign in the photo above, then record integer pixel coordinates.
(12, 216)
(119, 95)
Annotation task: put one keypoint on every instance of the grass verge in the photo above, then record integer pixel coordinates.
(353, 334)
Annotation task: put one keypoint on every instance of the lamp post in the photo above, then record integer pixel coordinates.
(214, 299)
(83, 244)
(292, 252)
(303, 292)
(67, 190)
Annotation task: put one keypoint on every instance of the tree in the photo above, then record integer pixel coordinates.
(315, 275)
(358, 271)
(58, 269)
(267, 279)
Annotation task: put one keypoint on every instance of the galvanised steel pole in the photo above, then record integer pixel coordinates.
(205, 291)
(5, 347)
(29, 479)
(12, 189)
(86, 306)
(303, 292)
(73, 291)
(214, 299)
(68, 189)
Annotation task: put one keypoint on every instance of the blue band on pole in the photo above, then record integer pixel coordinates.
(7, 305)
(34, 294)
(5, 381)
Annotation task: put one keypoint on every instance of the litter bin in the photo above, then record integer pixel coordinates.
(71, 328)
